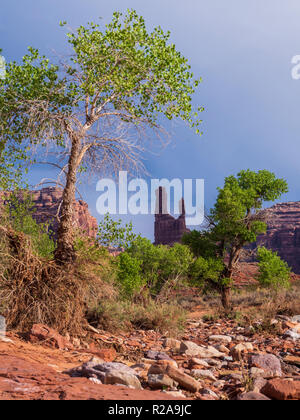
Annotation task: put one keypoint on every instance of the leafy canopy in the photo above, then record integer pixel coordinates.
(134, 70)
(117, 71)
(236, 217)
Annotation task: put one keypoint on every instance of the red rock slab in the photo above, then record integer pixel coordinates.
(23, 380)
(282, 390)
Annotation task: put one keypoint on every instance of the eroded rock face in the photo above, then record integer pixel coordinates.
(47, 205)
(167, 229)
(283, 234)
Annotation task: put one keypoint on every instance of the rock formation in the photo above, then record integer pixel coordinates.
(168, 229)
(47, 206)
(283, 233)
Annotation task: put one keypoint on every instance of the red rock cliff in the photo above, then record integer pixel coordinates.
(283, 234)
(47, 204)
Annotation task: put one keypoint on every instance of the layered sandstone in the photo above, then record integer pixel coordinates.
(47, 203)
(283, 233)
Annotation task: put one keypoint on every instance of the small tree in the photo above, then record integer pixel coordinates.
(120, 80)
(273, 271)
(235, 221)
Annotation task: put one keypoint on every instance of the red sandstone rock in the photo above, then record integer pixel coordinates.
(41, 333)
(108, 355)
(168, 229)
(283, 233)
(280, 389)
(47, 203)
(186, 381)
(24, 380)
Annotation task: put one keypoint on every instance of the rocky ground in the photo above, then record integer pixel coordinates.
(212, 361)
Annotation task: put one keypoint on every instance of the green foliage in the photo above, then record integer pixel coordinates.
(129, 275)
(158, 264)
(19, 215)
(118, 71)
(235, 215)
(206, 272)
(200, 243)
(111, 233)
(134, 69)
(273, 271)
(235, 221)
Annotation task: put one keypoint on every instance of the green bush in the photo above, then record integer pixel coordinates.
(129, 275)
(18, 214)
(205, 272)
(158, 264)
(273, 271)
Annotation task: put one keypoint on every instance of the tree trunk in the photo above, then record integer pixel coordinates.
(65, 252)
(226, 298)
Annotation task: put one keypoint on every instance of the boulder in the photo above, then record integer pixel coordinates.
(240, 349)
(160, 367)
(258, 384)
(225, 339)
(296, 318)
(172, 344)
(292, 360)
(117, 377)
(161, 381)
(184, 380)
(293, 334)
(192, 349)
(108, 373)
(267, 362)
(282, 389)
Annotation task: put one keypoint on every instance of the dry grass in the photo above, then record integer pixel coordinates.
(125, 316)
(256, 307)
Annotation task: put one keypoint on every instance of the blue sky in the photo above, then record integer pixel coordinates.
(243, 51)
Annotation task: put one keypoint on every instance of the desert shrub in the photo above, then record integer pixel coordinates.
(129, 275)
(124, 315)
(273, 271)
(18, 214)
(158, 264)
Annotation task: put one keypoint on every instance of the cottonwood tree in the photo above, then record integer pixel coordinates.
(120, 79)
(235, 221)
